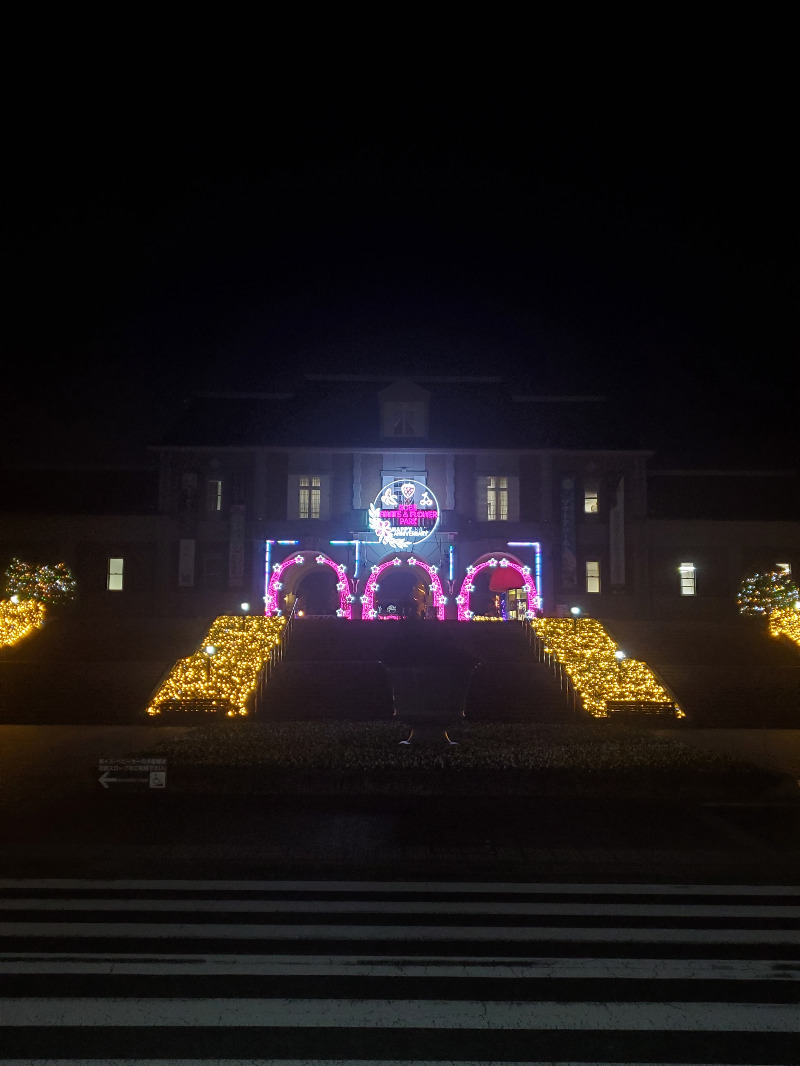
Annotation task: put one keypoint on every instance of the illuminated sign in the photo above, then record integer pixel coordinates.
(404, 514)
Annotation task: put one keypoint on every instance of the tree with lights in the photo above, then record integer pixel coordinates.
(48, 585)
(761, 595)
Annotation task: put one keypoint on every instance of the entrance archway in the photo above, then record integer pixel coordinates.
(438, 599)
(468, 585)
(284, 579)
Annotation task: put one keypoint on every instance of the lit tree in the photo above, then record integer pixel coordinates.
(764, 594)
(49, 585)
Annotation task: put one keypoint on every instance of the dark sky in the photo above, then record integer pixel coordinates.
(162, 246)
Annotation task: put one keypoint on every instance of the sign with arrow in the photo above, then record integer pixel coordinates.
(133, 773)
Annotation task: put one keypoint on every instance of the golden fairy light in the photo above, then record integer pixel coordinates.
(786, 623)
(17, 620)
(224, 671)
(601, 676)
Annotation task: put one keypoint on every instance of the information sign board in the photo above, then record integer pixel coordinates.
(133, 773)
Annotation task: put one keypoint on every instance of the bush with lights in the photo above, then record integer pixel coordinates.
(762, 595)
(223, 673)
(29, 591)
(49, 585)
(588, 655)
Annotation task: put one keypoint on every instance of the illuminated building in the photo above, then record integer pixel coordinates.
(371, 497)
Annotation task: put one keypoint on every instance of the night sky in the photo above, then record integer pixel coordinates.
(161, 247)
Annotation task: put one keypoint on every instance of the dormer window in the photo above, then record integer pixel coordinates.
(405, 419)
(404, 410)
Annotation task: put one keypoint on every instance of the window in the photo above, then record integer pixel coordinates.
(688, 584)
(114, 577)
(309, 496)
(590, 499)
(592, 575)
(214, 497)
(497, 499)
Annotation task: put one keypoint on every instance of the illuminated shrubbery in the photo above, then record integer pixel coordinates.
(29, 591)
(786, 623)
(764, 594)
(50, 585)
(227, 677)
(588, 655)
(17, 620)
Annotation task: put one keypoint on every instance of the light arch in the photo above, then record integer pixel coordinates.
(438, 598)
(467, 586)
(302, 558)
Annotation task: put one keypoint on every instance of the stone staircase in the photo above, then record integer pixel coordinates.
(425, 672)
(721, 674)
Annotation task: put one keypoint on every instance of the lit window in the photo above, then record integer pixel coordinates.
(590, 500)
(497, 499)
(309, 496)
(214, 495)
(688, 584)
(114, 577)
(592, 575)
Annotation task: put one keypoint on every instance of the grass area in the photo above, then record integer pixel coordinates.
(580, 759)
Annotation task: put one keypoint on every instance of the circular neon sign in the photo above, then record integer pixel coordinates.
(404, 514)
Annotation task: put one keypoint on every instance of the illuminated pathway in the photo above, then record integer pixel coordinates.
(190, 971)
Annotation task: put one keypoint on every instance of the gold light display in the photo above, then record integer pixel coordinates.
(17, 620)
(589, 657)
(224, 671)
(786, 623)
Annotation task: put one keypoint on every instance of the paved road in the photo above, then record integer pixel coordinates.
(305, 971)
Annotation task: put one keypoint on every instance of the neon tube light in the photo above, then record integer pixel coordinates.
(275, 585)
(368, 612)
(467, 587)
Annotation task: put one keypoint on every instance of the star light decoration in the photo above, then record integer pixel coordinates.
(468, 587)
(345, 609)
(225, 680)
(368, 611)
(588, 656)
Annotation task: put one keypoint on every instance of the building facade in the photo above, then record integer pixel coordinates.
(453, 498)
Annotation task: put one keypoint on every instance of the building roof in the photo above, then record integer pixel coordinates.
(344, 412)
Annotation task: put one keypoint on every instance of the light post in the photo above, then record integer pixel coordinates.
(620, 656)
(208, 651)
(575, 612)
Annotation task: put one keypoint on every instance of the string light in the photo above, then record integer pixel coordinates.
(589, 657)
(763, 594)
(50, 585)
(18, 620)
(786, 623)
(227, 677)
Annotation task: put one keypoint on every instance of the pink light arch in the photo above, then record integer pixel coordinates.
(368, 612)
(467, 586)
(275, 585)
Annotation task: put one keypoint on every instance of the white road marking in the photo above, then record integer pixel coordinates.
(139, 930)
(248, 906)
(409, 966)
(430, 887)
(403, 1014)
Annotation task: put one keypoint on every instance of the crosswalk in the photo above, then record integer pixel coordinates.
(322, 972)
